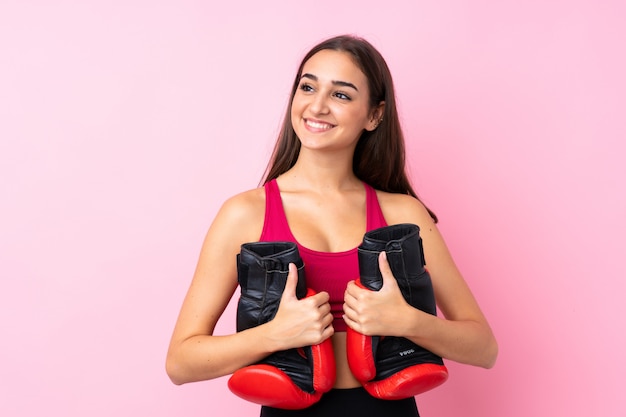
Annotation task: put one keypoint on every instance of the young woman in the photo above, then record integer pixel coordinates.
(337, 171)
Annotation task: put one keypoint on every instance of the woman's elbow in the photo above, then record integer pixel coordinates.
(490, 354)
(174, 370)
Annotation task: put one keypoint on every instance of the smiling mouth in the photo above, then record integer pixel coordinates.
(318, 125)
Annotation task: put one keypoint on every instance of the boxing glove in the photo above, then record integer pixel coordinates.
(394, 367)
(289, 379)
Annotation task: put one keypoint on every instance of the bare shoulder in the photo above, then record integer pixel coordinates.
(243, 214)
(239, 220)
(403, 208)
(247, 203)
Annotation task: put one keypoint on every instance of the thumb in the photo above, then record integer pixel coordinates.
(292, 282)
(385, 270)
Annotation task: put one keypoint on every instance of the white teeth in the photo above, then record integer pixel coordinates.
(317, 125)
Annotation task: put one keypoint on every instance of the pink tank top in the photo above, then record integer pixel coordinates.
(324, 271)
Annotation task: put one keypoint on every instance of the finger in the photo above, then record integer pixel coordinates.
(324, 314)
(351, 290)
(292, 282)
(324, 309)
(323, 297)
(350, 323)
(328, 332)
(328, 320)
(355, 297)
(346, 313)
(318, 300)
(385, 269)
(348, 300)
(350, 312)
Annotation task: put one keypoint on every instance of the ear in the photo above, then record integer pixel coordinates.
(376, 116)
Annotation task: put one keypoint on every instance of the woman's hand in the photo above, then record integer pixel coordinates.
(377, 313)
(303, 322)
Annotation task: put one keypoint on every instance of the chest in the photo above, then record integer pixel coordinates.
(327, 225)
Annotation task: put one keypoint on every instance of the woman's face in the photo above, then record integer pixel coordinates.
(331, 107)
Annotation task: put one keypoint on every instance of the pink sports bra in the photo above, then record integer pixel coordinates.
(325, 271)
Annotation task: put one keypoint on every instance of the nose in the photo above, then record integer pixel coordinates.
(319, 104)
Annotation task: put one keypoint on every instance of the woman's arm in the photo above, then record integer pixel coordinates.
(194, 353)
(463, 335)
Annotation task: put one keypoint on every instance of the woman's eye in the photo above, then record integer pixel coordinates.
(342, 96)
(306, 87)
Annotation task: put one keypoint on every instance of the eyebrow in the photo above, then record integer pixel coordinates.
(341, 83)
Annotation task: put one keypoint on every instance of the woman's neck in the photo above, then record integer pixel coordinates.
(323, 174)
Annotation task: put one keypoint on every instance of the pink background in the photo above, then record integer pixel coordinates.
(125, 124)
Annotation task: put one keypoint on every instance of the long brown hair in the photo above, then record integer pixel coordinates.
(379, 156)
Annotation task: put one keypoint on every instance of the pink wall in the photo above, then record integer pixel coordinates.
(124, 125)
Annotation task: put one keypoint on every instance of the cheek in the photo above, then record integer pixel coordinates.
(295, 115)
(358, 119)
(296, 107)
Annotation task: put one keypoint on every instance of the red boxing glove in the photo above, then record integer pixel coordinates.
(394, 367)
(290, 379)
(388, 367)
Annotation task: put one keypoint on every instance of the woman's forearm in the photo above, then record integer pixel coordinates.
(465, 341)
(205, 357)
